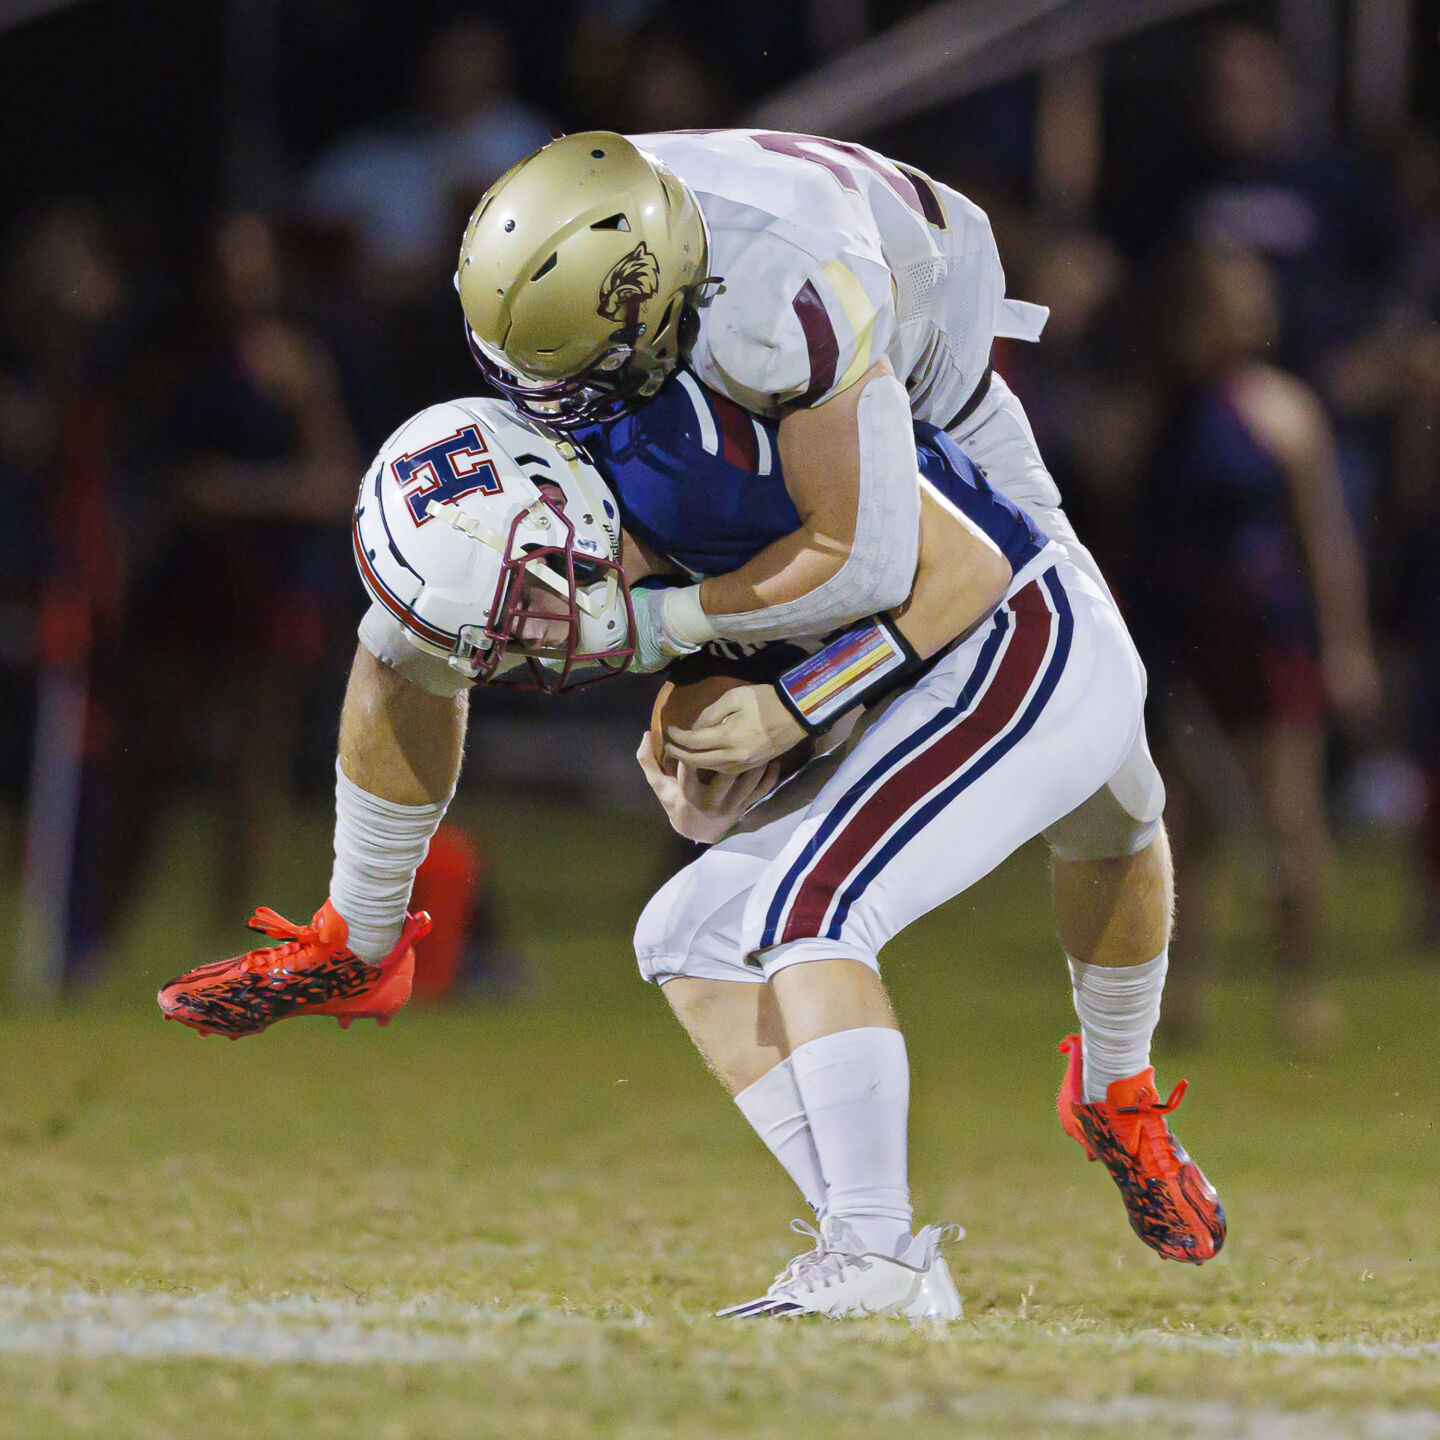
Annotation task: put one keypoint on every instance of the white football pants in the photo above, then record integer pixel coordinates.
(1015, 728)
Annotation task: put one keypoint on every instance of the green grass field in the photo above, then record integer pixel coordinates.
(516, 1221)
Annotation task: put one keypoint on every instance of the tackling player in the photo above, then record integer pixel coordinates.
(1000, 694)
(840, 293)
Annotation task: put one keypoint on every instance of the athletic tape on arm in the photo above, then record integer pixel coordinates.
(880, 569)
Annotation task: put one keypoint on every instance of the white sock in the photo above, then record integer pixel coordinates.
(378, 848)
(856, 1089)
(1119, 1007)
(776, 1113)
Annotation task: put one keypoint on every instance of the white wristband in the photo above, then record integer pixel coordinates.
(684, 619)
(378, 848)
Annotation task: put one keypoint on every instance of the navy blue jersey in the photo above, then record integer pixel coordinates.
(699, 481)
(1222, 555)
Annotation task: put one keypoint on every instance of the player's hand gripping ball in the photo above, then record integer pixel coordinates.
(727, 724)
(705, 810)
(680, 705)
(703, 804)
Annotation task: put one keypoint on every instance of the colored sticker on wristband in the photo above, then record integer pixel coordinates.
(834, 679)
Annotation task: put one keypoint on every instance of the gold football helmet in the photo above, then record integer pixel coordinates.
(579, 275)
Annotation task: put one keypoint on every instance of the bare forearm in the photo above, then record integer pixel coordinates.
(960, 579)
(791, 567)
(397, 741)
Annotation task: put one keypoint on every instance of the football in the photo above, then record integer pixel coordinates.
(680, 705)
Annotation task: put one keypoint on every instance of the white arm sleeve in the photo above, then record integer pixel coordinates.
(880, 570)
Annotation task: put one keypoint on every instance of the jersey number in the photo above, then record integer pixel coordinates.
(837, 156)
(446, 471)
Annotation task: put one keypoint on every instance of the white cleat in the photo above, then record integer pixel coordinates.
(837, 1283)
(819, 1255)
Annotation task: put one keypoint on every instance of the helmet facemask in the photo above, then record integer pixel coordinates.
(595, 609)
(619, 382)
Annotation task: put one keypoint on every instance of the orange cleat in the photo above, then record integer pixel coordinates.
(1173, 1208)
(312, 973)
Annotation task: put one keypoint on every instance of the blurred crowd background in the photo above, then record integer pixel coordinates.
(226, 252)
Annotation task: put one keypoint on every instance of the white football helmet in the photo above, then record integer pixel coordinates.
(467, 508)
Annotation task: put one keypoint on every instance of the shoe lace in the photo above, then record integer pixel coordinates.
(811, 1269)
(1154, 1107)
(295, 938)
(1156, 1147)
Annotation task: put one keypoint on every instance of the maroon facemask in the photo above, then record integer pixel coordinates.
(554, 669)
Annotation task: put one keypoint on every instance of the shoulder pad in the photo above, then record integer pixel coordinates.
(797, 333)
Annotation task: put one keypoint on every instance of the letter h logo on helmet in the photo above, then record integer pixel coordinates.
(447, 470)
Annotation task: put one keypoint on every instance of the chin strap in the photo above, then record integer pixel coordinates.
(477, 530)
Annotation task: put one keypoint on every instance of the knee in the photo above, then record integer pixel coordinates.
(1145, 877)
(1102, 831)
(1116, 910)
(1121, 819)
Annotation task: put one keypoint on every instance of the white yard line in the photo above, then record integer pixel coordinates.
(1253, 1345)
(1184, 1418)
(334, 1344)
(1192, 1340)
(287, 1329)
(427, 1329)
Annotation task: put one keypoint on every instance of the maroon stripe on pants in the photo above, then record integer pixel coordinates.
(929, 769)
(738, 445)
(820, 340)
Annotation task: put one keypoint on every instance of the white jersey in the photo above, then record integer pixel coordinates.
(832, 256)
